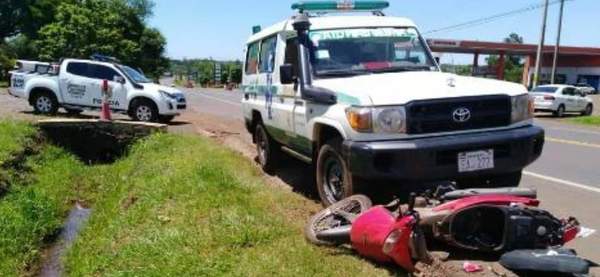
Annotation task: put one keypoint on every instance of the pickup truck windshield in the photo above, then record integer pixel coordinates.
(368, 50)
(134, 75)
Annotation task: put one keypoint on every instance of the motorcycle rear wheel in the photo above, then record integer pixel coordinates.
(329, 219)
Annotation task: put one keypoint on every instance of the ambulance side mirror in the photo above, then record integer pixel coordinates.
(286, 74)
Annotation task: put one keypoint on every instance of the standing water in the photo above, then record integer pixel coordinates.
(52, 266)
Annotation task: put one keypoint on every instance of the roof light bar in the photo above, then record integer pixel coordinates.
(343, 5)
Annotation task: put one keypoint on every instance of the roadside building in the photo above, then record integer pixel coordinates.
(575, 64)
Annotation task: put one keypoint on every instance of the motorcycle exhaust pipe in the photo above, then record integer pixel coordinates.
(340, 235)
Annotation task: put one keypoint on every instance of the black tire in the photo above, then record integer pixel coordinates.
(560, 112)
(508, 180)
(267, 149)
(334, 179)
(144, 110)
(73, 112)
(44, 103)
(327, 219)
(589, 110)
(166, 119)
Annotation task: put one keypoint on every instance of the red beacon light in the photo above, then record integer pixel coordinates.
(341, 6)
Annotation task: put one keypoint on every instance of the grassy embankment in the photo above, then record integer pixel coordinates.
(587, 120)
(36, 194)
(175, 205)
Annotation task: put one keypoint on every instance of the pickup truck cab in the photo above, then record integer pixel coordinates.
(77, 86)
(361, 98)
(562, 99)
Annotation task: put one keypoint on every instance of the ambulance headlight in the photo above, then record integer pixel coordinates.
(522, 108)
(383, 120)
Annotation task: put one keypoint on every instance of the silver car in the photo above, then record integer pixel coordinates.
(561, 99)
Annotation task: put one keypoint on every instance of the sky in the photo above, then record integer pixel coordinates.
(218, 29)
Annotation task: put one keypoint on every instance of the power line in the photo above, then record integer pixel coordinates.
(486, 20)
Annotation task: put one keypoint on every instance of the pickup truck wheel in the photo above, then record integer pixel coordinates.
(45, 103)
(560, 112)
(334, 180)
(498, 181)
(267, 149)
(145, 111)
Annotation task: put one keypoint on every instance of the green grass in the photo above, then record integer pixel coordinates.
(177, 205)
(13, 138)
(587, 120)
(183, 206)
(3, 84)
(34, 206)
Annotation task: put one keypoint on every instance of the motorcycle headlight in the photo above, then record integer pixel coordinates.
(166, 94)
(385, 120)
(390, 241)
(522, 108)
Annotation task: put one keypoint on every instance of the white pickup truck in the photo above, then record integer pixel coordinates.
(77, 87)
(362, 99)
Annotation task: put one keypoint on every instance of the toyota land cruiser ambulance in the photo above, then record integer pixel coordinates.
(360, 97)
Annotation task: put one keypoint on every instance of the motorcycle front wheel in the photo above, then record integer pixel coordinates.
(340, 214)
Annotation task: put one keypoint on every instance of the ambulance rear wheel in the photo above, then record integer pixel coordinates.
(267, 149)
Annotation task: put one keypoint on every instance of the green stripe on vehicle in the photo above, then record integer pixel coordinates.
(347, 99)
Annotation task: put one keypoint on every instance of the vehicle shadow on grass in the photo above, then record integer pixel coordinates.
(302, 180)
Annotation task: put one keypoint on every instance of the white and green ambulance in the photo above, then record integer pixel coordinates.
(358, 95)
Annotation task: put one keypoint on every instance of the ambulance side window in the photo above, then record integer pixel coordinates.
(252, 59)
(267, 55)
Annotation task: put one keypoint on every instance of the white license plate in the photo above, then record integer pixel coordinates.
(475, 161)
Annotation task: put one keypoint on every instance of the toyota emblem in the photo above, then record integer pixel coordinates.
(461, 115)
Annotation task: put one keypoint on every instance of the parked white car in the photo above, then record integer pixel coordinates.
(561, 99)
(77, 87)
(362, 98)
(586, 88)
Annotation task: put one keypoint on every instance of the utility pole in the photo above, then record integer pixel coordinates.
(538, 60)
(557, 46)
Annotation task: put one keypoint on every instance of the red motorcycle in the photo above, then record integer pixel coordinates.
(488, 220)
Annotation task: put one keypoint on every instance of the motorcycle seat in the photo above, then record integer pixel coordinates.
(521, 192)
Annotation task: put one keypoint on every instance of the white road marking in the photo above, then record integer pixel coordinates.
(220, 100)
(572, 142)
(562, 182)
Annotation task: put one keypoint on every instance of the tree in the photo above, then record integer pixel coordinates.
(12, 13)
(111, 27)
(513, 66)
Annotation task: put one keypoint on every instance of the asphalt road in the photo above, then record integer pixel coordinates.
(567, 176)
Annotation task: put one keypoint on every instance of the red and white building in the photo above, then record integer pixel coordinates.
(575, 64)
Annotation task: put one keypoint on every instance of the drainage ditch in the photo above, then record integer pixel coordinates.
(93, 142)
